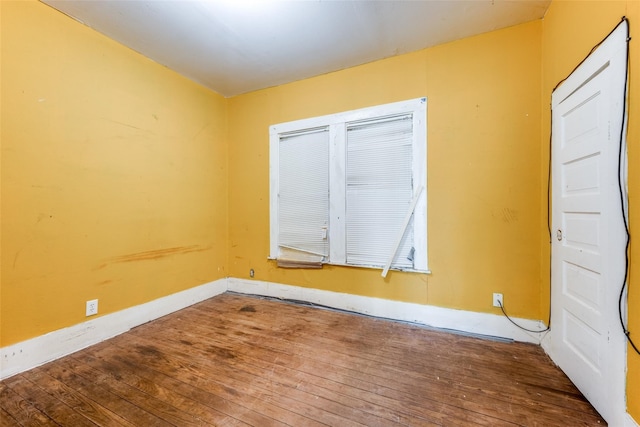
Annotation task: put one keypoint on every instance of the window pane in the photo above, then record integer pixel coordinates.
(379, 191)
(303, 213)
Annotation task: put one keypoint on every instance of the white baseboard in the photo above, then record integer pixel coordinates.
(460, 320)
(28, 354)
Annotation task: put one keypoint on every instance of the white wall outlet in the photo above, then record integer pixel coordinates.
(497, 300)
(92, 307)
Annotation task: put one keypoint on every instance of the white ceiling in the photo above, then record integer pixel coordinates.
(237, 46)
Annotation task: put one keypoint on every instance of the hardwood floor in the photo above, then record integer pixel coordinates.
(244, 361)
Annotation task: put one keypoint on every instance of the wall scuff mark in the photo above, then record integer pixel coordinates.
(154, 254)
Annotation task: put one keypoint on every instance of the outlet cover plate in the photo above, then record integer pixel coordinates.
(92, 307)
(497, 300)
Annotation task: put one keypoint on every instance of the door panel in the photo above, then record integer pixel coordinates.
(582, 341)
(583, 285)
(581, 177)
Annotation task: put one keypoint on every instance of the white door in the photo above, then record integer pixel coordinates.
(588, 242)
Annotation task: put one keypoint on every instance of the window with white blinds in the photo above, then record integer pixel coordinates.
(303, 202)
(346, 189)
(379, 190)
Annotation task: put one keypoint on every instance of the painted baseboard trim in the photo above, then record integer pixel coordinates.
(459, 320)
(630, 422)
(28, 354)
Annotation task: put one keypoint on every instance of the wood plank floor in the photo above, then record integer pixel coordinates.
(244, 361)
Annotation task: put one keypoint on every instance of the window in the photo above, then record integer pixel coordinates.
(350, 188)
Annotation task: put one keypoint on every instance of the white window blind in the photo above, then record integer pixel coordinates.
(345, 188)
(303, 211)
(379, 191)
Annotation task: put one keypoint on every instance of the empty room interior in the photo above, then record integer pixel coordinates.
(145, 213)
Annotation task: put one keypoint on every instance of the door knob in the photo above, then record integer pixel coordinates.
(559, 235)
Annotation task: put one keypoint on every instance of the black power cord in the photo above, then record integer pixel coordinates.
(522, 327)
(625, 220)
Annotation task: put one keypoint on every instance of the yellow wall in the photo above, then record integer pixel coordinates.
(483, 170)
(114, 175)
(1, 175)
(570, 30)
(125, 182)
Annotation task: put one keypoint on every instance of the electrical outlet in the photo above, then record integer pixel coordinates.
(497, 300)
(92, 307)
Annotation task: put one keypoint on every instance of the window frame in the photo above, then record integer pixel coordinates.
(337, 125)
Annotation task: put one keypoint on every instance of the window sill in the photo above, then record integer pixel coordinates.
(367, 267)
